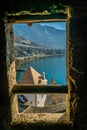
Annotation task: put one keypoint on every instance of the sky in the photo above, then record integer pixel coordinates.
(57, 25)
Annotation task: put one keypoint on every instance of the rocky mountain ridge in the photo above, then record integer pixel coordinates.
(47, 36)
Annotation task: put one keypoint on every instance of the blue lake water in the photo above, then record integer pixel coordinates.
(52, 66)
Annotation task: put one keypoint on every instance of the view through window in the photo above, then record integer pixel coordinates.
(40, 55)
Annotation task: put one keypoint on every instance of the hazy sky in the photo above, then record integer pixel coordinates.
(58, 25)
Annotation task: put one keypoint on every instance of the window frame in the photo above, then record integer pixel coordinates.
(14, 89)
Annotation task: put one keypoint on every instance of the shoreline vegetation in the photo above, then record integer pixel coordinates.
(20, 60)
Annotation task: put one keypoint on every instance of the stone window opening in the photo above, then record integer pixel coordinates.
(15, 88)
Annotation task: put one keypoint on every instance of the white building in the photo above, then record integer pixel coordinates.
(31, 76)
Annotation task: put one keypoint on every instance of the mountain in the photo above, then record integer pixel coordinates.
(26, 48)
(46, 36)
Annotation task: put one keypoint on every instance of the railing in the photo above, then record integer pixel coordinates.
(29, 88)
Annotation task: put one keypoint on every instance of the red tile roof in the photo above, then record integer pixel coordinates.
(31, 76)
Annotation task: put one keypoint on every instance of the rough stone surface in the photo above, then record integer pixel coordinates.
(77, 69)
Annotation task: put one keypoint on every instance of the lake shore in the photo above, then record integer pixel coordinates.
(53, 66)
(20, 60)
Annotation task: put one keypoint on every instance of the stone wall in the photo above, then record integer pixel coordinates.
(77, 70)
(78, 45)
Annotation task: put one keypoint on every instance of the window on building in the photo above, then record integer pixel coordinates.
(40, 52)
(40, 56)
(31, 102)
(40, 63)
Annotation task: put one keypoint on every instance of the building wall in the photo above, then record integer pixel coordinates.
(41, 98)
(31, 99)
(36, 99)
(77, 69)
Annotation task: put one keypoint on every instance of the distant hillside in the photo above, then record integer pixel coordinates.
(25, 48)
(46, 36)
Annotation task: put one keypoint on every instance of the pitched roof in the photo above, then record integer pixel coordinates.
(31, 76)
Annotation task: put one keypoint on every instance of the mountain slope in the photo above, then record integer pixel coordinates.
(47, 36)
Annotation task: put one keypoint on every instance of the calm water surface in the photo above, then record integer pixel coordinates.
(52, 66)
